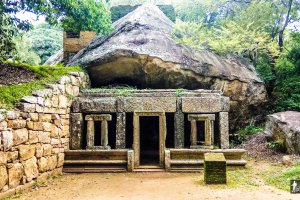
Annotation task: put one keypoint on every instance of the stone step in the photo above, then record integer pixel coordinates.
(95, 162)
(76, 169)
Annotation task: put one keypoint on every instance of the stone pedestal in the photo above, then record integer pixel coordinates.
(214, 168)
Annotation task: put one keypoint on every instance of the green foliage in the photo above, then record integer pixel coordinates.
(115, 89)
(10, 95)
(87, 15)
(248, 130)
(287, 88)
(22, 52)
(282, 180)
(180, 92)
(7, 33)
(277, 146)
(45, 40)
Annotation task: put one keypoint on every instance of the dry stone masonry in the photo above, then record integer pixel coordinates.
(34, 136)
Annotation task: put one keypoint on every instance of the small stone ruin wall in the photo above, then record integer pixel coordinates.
(34, 136)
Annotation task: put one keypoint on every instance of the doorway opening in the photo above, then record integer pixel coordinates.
(149, 140)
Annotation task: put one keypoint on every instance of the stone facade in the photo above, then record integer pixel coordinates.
(187, 107)
(34, 136)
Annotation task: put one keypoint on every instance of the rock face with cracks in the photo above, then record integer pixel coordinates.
(141, 52)
(284, 127)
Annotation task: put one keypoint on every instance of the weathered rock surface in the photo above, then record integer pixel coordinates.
(56, 58)
(141, 52)
(285, 127)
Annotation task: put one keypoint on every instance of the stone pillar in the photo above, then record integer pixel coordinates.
(194, 133)
(162, 136)
(179, 126)
(208, 132)
(104, 134)
(90, 133)
(120, 131)
(76, 131)
(130, 160)
(224, 129)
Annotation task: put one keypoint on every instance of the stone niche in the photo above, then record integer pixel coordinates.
(149, 120)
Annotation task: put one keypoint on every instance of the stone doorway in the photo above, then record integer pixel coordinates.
(149, 138)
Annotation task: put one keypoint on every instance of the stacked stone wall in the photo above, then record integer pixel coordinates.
(33, 137)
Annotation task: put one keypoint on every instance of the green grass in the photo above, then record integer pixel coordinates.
(11, 94)
(282, 179)
(117, 90)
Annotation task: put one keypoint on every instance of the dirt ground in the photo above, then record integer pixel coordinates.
(144, 186)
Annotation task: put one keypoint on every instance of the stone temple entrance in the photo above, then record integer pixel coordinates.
(149, 140)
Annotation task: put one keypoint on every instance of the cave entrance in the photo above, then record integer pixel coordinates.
(149, 138)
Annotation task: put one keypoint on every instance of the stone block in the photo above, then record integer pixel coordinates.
(7, 140)
(15, 174)
(33, 137)
(167, 104)
(47, 148)
(42, 164)
(214, 168)
(54, 101)
(60, 159)
(29, 99)
(44, 137)
(3, 126)
(47, 126)
(203, 104)
(64, 80)
(38, 126)
(3, 176)
(16, 123)
(39, 151)
(26, 152)
(3, 158)
(97, 105)
(31, 168)
(12, 114)
(42, 93)
(20, 136)
(76, 133)
(12, 156)
(52, 162)
(63, 101)
(27, 107)
(34, 117)
(54, 131)
(45, 117)
(30, 125)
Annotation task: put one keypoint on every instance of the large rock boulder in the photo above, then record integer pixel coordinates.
(141, 52)
(285, 127)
